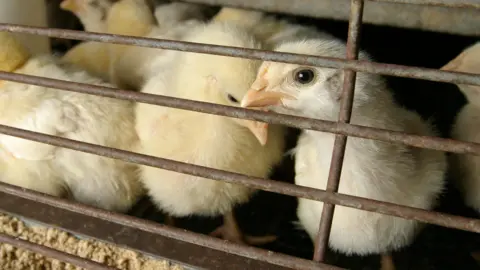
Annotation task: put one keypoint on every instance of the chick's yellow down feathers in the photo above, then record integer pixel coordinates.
(203, 139)
(12, 53)
(93, 57)
(90, 179)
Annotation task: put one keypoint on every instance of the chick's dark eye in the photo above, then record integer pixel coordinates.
(232, 99)
(304, 76)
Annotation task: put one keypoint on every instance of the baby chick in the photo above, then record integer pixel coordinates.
(134, 65)
(90, 179)
(131, 18)
(92, 13)
(372, 169)
(266, 28)
(203, 139)
(465, 128)
(90, 56)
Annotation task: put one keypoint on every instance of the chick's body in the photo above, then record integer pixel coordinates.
(372, 169)
(135, 65)
(89, 55)
(202, 139)
(90, 179)
(375, 170)
(466, 128)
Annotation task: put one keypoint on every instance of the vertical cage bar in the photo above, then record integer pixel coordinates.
(321, 243)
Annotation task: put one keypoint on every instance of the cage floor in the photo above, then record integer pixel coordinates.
(436, 247)
(12, 258)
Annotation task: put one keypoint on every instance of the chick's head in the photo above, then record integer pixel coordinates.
(219, 79)
(305, 90)
(12, 52)
(94, 10)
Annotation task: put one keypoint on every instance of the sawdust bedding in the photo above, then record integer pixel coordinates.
(12, 258)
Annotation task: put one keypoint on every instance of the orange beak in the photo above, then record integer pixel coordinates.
(70, 5)
(259, 129)
(257, 97)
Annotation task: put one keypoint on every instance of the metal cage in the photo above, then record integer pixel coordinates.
(202, 251)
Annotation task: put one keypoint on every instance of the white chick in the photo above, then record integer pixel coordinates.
(266, 28)
(465, 128)
(203, 139)
(372, 169)
(102, 182)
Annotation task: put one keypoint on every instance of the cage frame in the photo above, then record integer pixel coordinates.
(191, 249)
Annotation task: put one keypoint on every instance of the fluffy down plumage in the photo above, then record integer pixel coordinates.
(94, 180)
(466, 127)
(202, 139)
(372, 169)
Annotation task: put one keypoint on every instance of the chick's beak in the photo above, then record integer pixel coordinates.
(259, 129)
(70, 5)
(257, 97)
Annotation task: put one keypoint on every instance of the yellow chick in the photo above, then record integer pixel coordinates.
(94, 180)
(90, 56)
(208, 140)
(135, 65)
(131, 18)
(92, 13)
(372, 169)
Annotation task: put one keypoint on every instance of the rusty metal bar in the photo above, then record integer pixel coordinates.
(434, 143)
(362, 66)
(53, 253)
(431, 15)
(178, 245)
(443, 3)
(305, 7)
(340, 144)
(451, 221)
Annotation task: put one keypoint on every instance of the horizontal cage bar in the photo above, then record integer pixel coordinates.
(126, 231)
(305, 7)
(467, 224)
(434, 143)
(362, 66)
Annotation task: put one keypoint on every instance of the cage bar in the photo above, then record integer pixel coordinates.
(307, 7)
(117, 228)
(435, 143)
(340, 144)
(309, 60)
(148, 237)
(467, 224)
